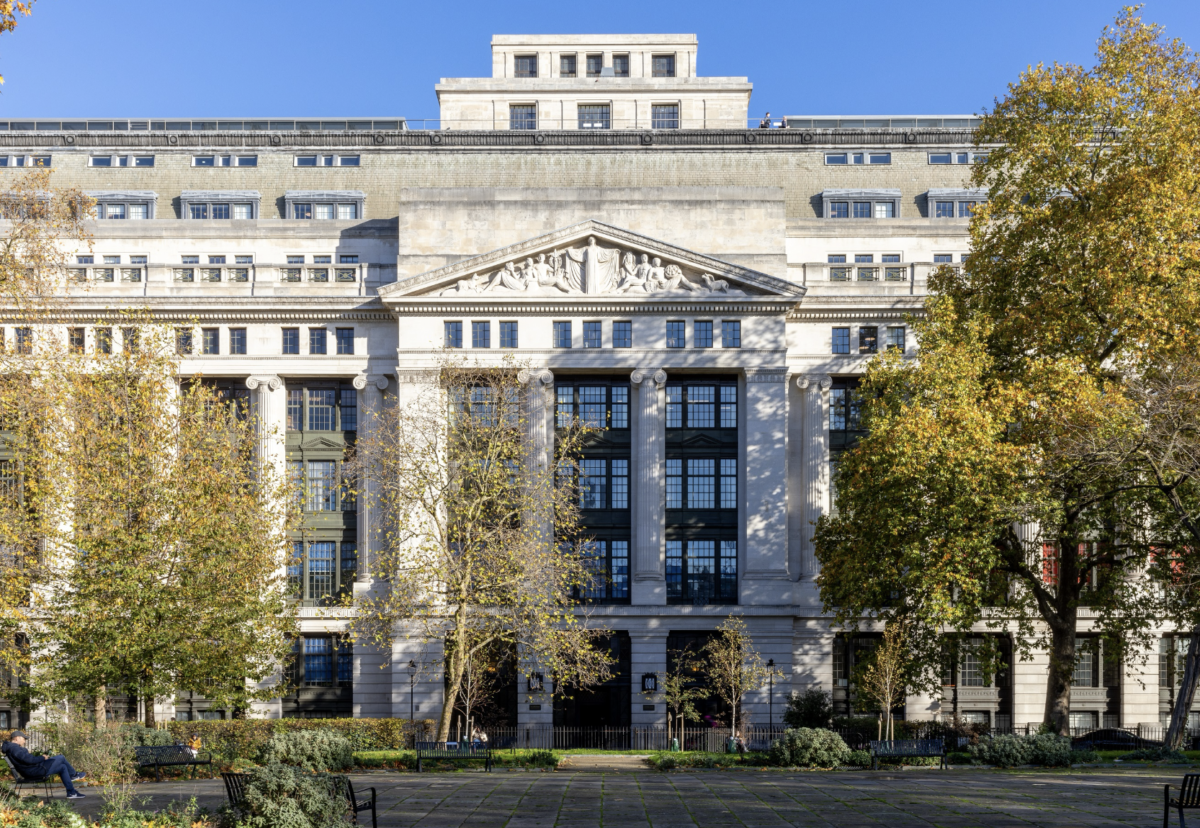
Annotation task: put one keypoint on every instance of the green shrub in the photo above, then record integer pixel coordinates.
(1001, 751)
(1085, 756)
(662, 761)
(809, 748)
(279, 796)
(230, 739)
(1175, 757)
(809, 708)
(311, 750)
(541, 759)
(860, 758)
(1049, 750)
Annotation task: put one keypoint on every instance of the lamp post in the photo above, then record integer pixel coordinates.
(412, 709)
(771, 692)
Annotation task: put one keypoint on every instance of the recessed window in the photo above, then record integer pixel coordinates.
(621, 66)
(237, 341)
(326, 160)
(895, 339)
(348, 258)
(841, 340)
(966, 209)
(864, 258)
(837, 258)
(702, 335)
(837, 158)
(862, 209)
(731, 334)
(857, 158)
(85, 260)
(291, 340)
(885, 209)
(243, 259)
(481, 334)
(943, 209)
(526, 66)
(224, 160)
(889, 257)
(839, 209)
(957, 157)
(508, 335)
(100, 161)
(210, 341)
(595, 63)
(103, 340)
(595, 116)
(75, 340)
(567, 66)
(592, 334)
(662, 66)
(868, 339)
(943, 258)
(622, 334)
(452, 334)
(112, 259)
(562, 334)
(183, 341)
(345, 341)
(317, 341)
(522, 116)
(664, 116)
(676, 334)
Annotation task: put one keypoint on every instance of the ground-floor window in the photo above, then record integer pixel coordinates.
(321, 675)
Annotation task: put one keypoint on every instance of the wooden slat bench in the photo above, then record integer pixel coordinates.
(1188, 799)
(904, 748)
(166, 756)
(440, 751)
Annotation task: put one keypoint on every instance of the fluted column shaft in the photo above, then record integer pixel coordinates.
(370, 411)
(650, 482)
(815, 462)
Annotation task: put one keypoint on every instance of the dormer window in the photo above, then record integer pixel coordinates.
(946, 203)
(663, 66)
(526, 66)
(860, 204)
(621, 66)
(567, 66)
(595, 63)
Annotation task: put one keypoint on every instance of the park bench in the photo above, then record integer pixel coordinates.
(460, 752)
(165, 756)
(1188, 799)
(903, 748)
(19, 780)
(235, 790)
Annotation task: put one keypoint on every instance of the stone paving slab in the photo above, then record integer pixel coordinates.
(628, 798)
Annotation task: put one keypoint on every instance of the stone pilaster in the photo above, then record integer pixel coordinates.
(649, 488)
(763, 489)
(538, 403)
(370, 410)
(815, 463)
(269, 405)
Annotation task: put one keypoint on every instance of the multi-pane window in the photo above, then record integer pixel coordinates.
(702, 335)
(526, 66)
(839, 209)
(508, 334)
(604, 483)
(321, 569)
(592, 333)
(595, 116)
(868, 339)
(607, 564)
(224, 160)
(957, 157)
(348, 408)
(596, 406)
(966, 209)
(841, 340)
(345, 340)
(116, 210)
(568, 65)
(895, 338)
(237, 341)
(183, 341)
(701, 406)
(731, 334)
(676, 334)
(701, 571)
(664, 116)
(322, 661)
(321, 483)
(522, 116)
(24, 341)
(104, 340)
(595, 63)
(701, 483)
(862, 209)
(75, 340)
(562, 334)
(291, 340)
(621, 66)
(842, 158)
(324, 211)
(481, 334)
(453, 334)
(843, 409)
(220, 210)
(622, 334)
(321, 409)
(317, 341)
(129, 340)
(662, 66)
(943, 209)
(210, 341)
(943, 258)
(328, 409)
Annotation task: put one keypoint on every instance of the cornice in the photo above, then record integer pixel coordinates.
(764, 306)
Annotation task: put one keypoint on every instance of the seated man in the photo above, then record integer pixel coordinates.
(37, 768)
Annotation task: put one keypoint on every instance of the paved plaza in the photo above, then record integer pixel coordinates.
(595, 795)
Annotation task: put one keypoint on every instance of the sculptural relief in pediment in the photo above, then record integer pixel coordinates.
(591, 270)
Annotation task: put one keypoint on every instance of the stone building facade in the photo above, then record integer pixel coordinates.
(715, 289)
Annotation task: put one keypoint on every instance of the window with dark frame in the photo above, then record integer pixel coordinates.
(676, 334)
(481, 334)
(567, 66)
(596, 405)
(76, 338)
(698, 404)
(841, 340)
(508, 335)
(868, 339)
(662, 66)
(592, 334)
(621, 66)
(183, 341)
(622, 334)
(526, 66)
(702, 335)
(345, 341)
(522, 116)
(317, 339)
(701, 571)
(731, 334)
(291, 340)
(895, 338)
(237, 341)
(104, 340)
(129, 340)
(453, 335)
(595, 63)
(562, 334)
(210, 341)
(606, 562)
(664, 116)
(595, 116)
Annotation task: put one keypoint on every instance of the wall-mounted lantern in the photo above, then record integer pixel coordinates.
(650, 683)
(535, 682)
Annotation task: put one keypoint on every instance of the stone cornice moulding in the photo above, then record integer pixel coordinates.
(759, 306)
(766, 375)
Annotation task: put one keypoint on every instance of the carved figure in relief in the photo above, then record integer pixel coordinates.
(594, 269)
(674, 279)
(635, 276)
(714, 285)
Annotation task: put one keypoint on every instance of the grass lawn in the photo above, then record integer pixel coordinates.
(1110, 755)
(407, 760)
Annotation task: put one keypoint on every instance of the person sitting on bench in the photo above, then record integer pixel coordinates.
(36, 768)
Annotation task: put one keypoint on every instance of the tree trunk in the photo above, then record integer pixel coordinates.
(149, 702)
(1058, 679)
(100, 705)
(1185, 696)
(454, 673)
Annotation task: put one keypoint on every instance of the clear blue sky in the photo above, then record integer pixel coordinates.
(139, 58)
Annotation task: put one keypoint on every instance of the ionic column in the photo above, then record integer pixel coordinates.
(763, 487)
(538, 406)
(815, 463)
(649, 493)
(370, 410)
(269, 405)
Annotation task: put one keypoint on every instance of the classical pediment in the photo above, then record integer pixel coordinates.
(592, 260)
(322, 444)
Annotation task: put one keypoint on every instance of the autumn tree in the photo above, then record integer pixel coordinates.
(681, 689)
(733, 666)
(883, 677)
(967, 503)
(10, 13)
(480, 547)
(162, 534)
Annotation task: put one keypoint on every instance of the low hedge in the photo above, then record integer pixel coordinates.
(669, 760)
(407, 760)
(232, 739)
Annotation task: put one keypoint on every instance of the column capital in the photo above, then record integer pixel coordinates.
(272, 382)
(641, 375)
(534, 375)
(816, 383)
(380, 381)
